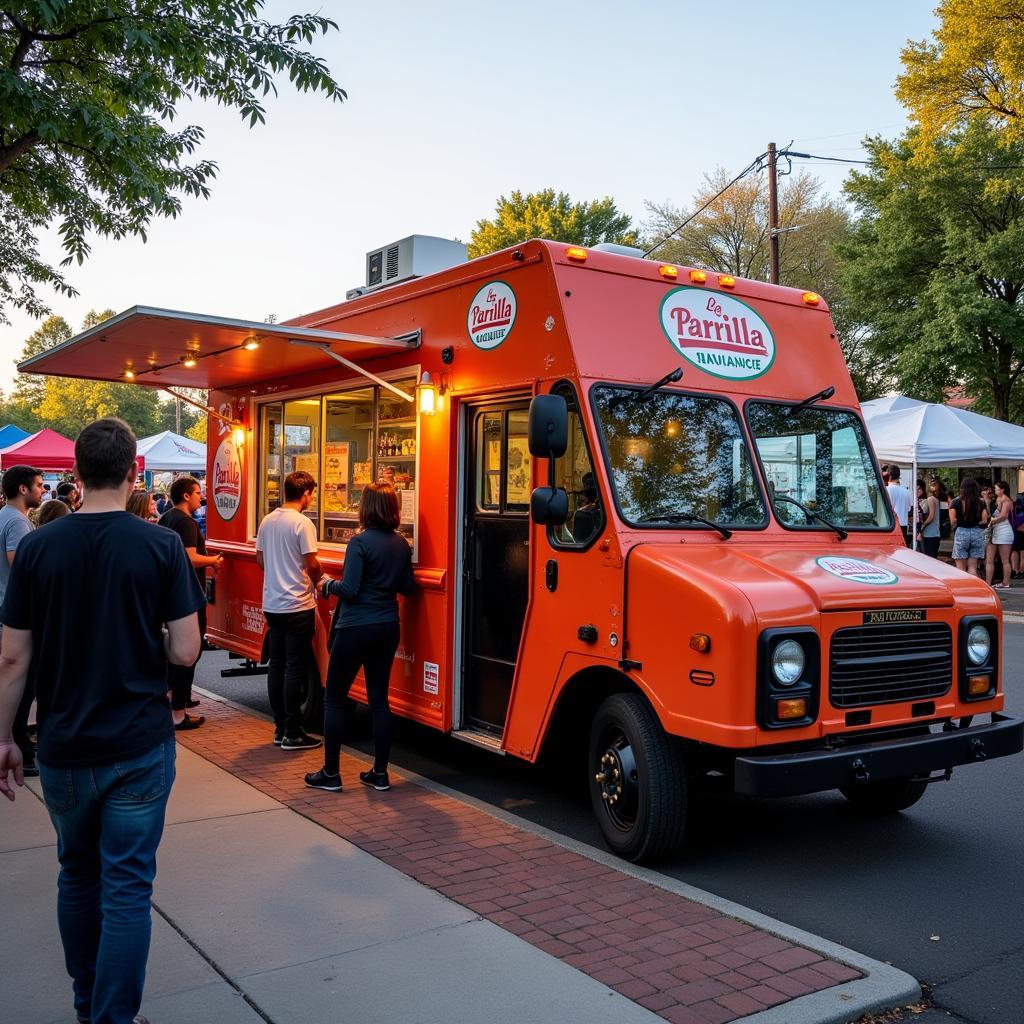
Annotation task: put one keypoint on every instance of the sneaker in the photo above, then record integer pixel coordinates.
(188, 722)
(301, 742)
(278, 737)
(378, 780)
(191, 703)
(321, 780)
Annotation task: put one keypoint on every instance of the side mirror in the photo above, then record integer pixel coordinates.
(549, 506)
(549, 426)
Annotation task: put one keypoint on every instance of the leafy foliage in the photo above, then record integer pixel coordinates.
(971, 72)
(731, 237)
(936, 266)
(552, 215)
(89, 90)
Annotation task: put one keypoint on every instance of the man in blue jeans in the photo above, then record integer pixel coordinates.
(106, 742)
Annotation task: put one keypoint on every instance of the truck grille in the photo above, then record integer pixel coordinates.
(889, 663)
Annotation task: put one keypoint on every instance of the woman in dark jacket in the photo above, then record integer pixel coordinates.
(378, 567)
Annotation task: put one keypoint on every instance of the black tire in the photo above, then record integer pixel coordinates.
(647, 817)
(887, 797)
(313, 702)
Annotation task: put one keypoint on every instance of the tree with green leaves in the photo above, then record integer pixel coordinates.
(552, 215)
(936, 265)
(972, 71)
(731, 236)
(89, 92)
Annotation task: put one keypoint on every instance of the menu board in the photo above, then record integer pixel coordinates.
(335, 482)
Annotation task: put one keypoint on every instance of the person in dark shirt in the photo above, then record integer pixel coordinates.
(106, 743)
(186, 495)
(378, 567)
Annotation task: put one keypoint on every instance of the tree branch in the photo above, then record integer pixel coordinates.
(9, 154)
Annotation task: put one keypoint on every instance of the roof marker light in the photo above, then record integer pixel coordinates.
(810, 298)
(699, 276)
(727, 280)
(668, 271)
(574, 252)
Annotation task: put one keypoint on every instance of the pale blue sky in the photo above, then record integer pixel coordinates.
(454, 103)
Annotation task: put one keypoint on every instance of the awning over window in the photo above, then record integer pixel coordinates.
(152, 343)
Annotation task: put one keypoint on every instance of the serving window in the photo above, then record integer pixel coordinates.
(345, 440)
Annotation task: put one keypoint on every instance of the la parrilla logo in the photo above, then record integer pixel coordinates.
(857, 570)
(492, 315)
(227, 480)
(717, 333)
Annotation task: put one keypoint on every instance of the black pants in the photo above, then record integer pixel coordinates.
(930, 546)
(180, 677)
(371, 648)
(291, 648)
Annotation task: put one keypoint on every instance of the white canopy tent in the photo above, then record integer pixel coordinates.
(168, 451)
(914, 433)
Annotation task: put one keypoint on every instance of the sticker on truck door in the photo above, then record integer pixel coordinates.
(492, 315)
(717, 333)
(858, 571)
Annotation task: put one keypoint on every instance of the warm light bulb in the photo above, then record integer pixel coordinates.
(188, 360)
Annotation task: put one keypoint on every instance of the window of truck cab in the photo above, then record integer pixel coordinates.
(818, 458)
(346, 437)
(574, 473)
(672, 455)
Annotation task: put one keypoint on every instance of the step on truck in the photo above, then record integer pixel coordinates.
(649, 532)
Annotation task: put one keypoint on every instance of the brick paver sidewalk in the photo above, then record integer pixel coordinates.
(685, 961)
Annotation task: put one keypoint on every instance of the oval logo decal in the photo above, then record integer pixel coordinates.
(857, 571)
(717, 333)
(227, 479)
(492, 314)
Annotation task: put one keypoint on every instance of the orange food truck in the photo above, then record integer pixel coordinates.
(648, 529)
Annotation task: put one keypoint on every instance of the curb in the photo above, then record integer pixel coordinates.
(882, 987)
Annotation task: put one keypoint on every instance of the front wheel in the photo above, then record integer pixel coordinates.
(886, 797)
(637, 780)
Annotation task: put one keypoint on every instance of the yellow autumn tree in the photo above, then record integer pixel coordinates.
(971, 70)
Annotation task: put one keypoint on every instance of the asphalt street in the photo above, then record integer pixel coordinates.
(937, 891)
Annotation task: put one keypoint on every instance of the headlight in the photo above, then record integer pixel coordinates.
(788, 661)
(979, 644)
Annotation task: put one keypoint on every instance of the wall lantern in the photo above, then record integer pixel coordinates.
(238, 435)
(427, 397)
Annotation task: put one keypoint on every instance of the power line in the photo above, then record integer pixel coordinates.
(754, 164)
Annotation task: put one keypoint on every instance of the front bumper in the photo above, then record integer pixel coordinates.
(813, 771)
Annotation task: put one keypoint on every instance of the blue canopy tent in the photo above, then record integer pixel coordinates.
(11, 435)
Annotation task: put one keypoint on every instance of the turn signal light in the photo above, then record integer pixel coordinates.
(700, 642)
(667, 271)
(977, 685)
(727, 280)
(810, 298)
(574, 252)
(699, 276)
(795, 707)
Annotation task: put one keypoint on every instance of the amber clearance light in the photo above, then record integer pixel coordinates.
(574, 252)
(700, 642)
(668, 271)
(793, 708)
(810, 298)
(699, 276)
(727, 280)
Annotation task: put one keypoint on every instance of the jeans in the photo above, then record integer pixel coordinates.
(371, 648)
(291, 649)
(180, 677)
(109, 821)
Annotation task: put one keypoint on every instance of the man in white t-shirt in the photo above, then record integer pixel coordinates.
(286, 552)
(900, 498)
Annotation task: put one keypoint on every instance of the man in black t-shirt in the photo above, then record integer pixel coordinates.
(186, 494)
(106, 743)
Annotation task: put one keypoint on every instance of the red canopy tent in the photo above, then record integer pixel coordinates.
(46, 450)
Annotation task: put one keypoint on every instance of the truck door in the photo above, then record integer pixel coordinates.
(496, 559)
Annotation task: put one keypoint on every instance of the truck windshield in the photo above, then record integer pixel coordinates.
(819, 458)
(672, 456)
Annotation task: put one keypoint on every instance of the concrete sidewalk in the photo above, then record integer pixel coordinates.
(262, 915)
(281, 904)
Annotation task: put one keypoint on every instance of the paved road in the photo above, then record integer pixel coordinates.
(938, 891)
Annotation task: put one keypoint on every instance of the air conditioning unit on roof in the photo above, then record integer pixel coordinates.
(415, 256)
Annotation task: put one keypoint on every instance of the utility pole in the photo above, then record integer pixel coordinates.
(177, 415)
(773, 214)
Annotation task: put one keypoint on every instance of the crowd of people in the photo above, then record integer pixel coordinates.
(104, 748)
(985, 522)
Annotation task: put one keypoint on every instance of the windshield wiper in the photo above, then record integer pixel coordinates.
(819, 397)
(811, 514)
(687, 517)
(669, 378)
